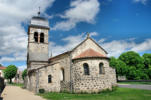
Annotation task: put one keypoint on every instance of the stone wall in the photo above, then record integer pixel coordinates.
(39, 78)
(54, 86)
(37, 51)
(65, 86)
(94, 82)
(88, 43)
(31, 85)
(32, 79)
(36, 65)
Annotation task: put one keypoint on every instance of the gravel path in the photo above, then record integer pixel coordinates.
(137, 86)
(17, 93)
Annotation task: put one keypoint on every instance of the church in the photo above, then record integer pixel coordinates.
(85, 68)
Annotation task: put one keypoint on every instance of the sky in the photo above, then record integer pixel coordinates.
(117, 25)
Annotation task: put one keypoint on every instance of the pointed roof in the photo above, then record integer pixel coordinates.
(90, 53)
(93, 41)
(68, 52)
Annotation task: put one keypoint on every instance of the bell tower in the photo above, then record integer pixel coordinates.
(38, 32)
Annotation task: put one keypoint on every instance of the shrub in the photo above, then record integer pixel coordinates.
(41, 90)
(24, 74)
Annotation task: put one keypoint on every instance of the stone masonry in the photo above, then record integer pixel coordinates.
(66, 72)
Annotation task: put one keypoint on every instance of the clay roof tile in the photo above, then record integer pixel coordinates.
(89, 53)
(2, 68)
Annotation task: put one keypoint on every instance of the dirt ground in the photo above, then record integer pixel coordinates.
(17, 93)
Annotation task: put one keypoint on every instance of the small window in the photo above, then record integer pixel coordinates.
(62, 72)
(36, 37)
(86, 69)
(101, 68)
(49, 79)
(42, 38)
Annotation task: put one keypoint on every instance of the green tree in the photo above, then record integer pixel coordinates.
(135, 65)
(24, 74)
(147, 62)
(10, 72)
(119, 65)
(132, 58)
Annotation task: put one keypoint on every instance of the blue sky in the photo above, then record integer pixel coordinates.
(117, 25)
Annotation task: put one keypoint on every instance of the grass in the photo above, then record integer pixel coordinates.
(16, 84)
(118, 94)
(146, 83)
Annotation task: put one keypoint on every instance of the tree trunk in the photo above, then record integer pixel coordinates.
(10, 80)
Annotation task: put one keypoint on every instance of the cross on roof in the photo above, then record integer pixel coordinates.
(39, 12)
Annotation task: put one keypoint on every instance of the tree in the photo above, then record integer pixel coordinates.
(10, 72)
(147, 62)
(119, 65)
(113, 62)
(132, 58)
(135, 65)
(24, 74)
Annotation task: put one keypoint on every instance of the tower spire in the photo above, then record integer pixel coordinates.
(39, 12)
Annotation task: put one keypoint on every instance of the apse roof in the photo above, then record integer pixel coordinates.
(89, 53)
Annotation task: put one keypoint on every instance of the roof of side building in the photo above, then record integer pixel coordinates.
(2, 68)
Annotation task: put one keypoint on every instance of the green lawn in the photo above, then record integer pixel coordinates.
(146, 83)
(16, 84)
(119, 94)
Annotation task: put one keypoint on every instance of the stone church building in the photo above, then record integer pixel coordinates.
(85, 68)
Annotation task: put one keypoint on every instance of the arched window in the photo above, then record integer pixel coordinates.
(101, 68)
(42, 38)
(62, 75)
(49, 78)
(86, 69)
(36, 37)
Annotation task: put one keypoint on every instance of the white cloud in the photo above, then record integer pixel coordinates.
(141, 1)
(79, 11)
(93, 34)
(116, 47)
(102, 40)
(144, 46)
(13, 37)
(22, 67)
(70, 43)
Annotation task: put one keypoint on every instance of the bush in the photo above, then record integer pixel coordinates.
(24, 74)
(41, 90)
(114, 88)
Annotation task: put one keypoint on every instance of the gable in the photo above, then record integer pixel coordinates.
(88, 44)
